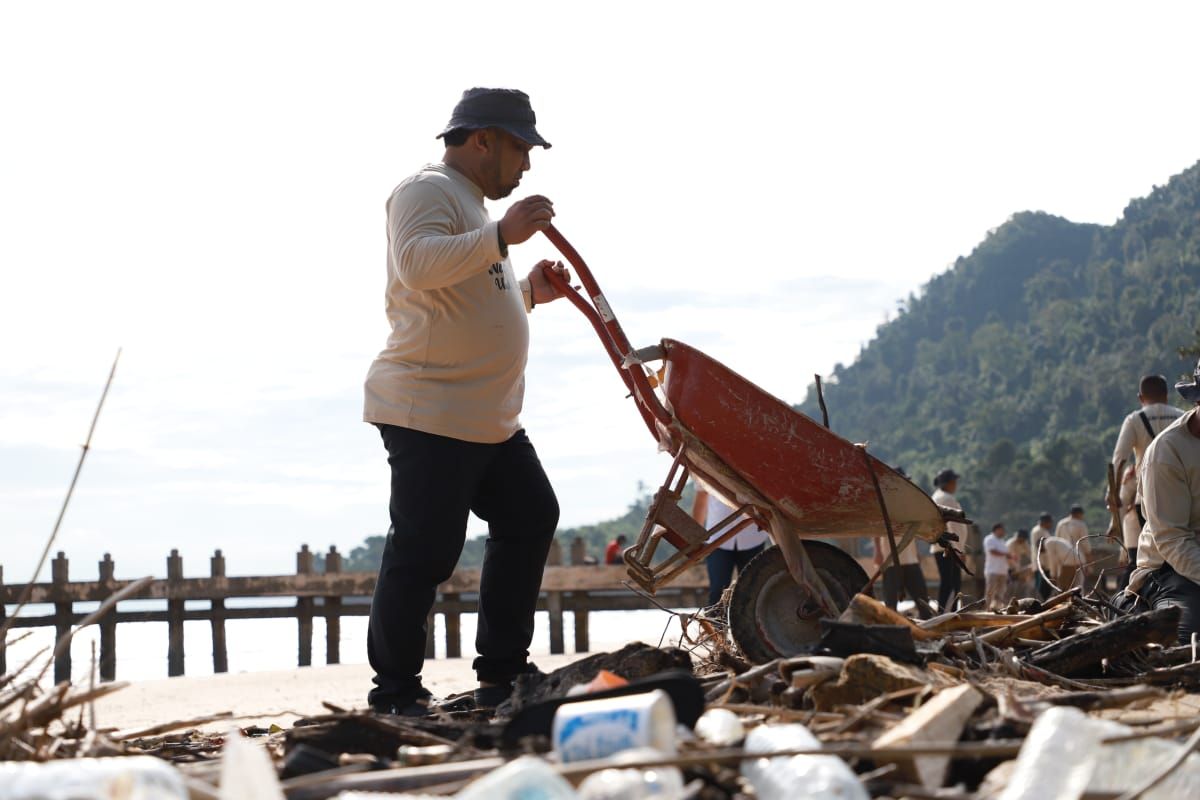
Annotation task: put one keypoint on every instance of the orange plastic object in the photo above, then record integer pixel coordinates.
(605, 680)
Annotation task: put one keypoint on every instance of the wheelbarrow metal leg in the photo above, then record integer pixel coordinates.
(801, 567)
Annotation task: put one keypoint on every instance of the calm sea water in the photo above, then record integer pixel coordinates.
(258, 645)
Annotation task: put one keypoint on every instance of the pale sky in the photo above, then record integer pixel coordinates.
(203, 185)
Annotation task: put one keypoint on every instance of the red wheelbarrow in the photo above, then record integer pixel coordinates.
(771, 464)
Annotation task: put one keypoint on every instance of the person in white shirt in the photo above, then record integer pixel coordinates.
(1168, 565)
(1137, 431)
(995, 568)
(1074, 530)
(732, 554)
(1044, 528)
(949, 573)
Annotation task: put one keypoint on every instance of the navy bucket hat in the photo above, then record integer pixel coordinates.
(507, 109)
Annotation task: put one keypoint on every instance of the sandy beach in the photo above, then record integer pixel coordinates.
(278, 696)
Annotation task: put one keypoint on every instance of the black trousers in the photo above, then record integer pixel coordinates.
(436, 481)
(912, 578)
(721, 564)
(949, 579)
(1166, 587)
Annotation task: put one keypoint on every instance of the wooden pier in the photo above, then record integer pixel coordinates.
(576, 588)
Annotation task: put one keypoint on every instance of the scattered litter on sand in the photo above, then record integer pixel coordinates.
(1066, 697)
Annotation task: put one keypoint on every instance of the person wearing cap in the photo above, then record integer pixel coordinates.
(446, 395)
(1138, 429)
(1074, 530)
(1043, 529)
(1168, 557)
(949, 573)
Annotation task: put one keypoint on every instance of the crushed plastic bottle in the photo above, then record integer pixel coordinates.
(246, 771)
(1056, 758)
(823, 777)
(129, 778)
(1064, 756)
(720, 727)
(525, 778)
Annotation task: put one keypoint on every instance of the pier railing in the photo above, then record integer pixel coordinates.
(329, 595)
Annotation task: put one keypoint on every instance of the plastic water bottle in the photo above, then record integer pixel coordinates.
(783, 777)
(632, 784)
(246, 771)
(130, 778)
(720, 727)
(525, 778)
(1056, 758)
(599, 728)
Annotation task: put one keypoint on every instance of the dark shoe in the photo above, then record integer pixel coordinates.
(418, 704)
(488, 697)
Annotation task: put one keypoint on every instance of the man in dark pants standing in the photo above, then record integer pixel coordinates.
(949, 574)
(446, 393)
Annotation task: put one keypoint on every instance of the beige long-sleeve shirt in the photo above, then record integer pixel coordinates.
(1133, 439)
(454, 364)
(1073, 530)
(1171, 503)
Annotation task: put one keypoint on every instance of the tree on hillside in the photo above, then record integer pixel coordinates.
(1016, 366)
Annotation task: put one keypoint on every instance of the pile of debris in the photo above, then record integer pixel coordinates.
(1063, 698)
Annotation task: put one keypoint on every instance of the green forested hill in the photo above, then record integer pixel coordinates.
(1016, 366)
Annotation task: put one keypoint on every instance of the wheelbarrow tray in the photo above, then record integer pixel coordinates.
(810, 474)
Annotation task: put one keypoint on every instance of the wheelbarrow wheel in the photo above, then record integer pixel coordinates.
(771, 616)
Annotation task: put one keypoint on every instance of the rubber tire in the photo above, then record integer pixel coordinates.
(766, 583)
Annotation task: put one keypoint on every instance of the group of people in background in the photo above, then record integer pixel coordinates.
(1033, 562)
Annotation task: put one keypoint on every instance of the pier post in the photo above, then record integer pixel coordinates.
(63, 619)
(333, 611)
(554, 604)
(175, 606)
(220, 650)
(3, 619)
(108, 624)
(304, 608)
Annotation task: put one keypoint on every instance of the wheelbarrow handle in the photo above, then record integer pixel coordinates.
(612, 336)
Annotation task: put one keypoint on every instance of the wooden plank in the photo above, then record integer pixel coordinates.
(938, 720)
(1084, 650)
(346, 584)
(175, 609)
(63, 616)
